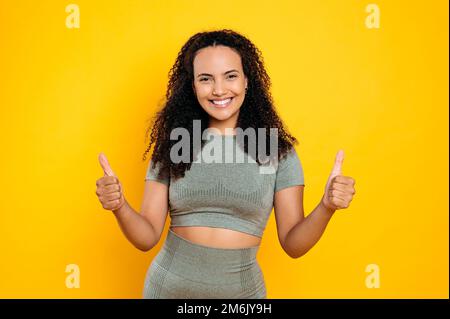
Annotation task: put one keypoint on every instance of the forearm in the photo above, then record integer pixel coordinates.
(136, 228)
(304, 235)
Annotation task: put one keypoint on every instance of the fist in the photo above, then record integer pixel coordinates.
(109, 188)
(339, 190)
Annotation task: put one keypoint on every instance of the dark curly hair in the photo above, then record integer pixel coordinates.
(182, 106)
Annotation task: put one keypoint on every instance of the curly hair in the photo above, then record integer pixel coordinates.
(182, 106)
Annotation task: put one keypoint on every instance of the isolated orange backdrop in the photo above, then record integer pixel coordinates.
(381, 94)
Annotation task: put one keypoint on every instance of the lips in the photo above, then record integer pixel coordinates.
(221, 103)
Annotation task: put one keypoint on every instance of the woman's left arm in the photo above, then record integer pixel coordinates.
(297, 234)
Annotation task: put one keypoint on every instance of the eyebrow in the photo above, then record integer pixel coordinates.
(207, 74)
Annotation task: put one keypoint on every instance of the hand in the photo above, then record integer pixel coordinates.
(340, 189)
(109, 188)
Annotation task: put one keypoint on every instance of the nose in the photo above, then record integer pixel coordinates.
(218, 88)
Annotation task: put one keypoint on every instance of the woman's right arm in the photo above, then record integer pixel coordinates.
(144, 230)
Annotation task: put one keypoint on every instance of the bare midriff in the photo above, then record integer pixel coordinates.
(216, 237)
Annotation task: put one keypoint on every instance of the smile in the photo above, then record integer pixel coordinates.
(222, 103)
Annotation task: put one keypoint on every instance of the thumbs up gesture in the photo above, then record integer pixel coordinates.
(109, 188)
(340, 189)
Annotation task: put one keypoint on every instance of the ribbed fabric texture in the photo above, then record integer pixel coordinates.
(237, 196)
(185, 270)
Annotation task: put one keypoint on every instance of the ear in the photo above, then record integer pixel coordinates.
(193, 88)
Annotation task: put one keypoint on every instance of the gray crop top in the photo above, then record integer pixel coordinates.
(235, 196)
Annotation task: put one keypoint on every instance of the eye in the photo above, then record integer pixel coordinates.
(233, 76)
(204, 79)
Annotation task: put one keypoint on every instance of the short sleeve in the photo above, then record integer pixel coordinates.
(289, 172)
(152, 174)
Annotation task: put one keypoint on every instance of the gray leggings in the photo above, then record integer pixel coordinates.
(186, 270)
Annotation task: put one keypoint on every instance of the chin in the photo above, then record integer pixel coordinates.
(221, 117)
(222, 114)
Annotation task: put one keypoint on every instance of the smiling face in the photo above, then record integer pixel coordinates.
(219, 84)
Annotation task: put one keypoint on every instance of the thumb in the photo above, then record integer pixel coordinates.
(105, 165)
(337, 168)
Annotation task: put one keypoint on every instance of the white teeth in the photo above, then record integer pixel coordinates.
(222, 102)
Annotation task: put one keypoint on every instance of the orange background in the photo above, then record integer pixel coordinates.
(380, 94)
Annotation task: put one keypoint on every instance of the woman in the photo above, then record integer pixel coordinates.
(219, 89)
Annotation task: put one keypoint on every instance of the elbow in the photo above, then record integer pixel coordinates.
(295, 254)
(147, 244)
(145, 247)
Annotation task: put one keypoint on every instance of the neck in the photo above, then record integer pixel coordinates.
(226, 127)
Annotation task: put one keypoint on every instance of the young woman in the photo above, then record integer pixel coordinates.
(219, 209)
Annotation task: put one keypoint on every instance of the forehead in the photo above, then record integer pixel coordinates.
(216, 59)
